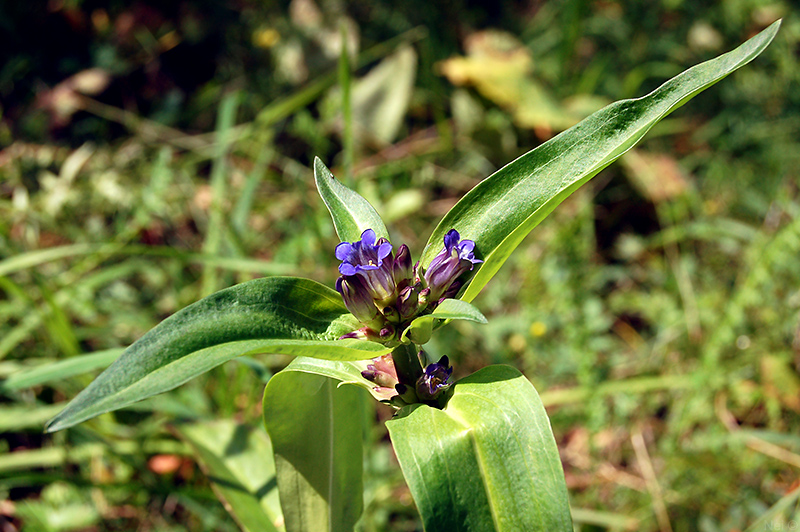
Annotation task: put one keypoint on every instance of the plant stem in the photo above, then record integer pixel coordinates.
(407, 364)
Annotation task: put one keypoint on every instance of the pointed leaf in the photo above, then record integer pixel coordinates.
(488, 461)
(456, 309)
(317, 436)
(351, 213)
(276, 315)
(237, 459)
(344, 372)
(501, 210)
(419, 331)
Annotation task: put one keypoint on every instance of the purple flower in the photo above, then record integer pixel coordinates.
(357, 299)
(434, 380)
(372, 261)
(452, 262)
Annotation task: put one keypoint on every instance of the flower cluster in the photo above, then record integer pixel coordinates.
(385, 293)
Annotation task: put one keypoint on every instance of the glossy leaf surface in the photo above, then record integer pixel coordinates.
(316, 429)
(237, 459)
(279, 315)
(456, 309)
(344, 372)
(501, 210)
(419, 331)
(487, 462)
(351, 213)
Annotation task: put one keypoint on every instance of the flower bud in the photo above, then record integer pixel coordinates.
(408, 303)
(391, 314)
(381, 371)
(357, 298)
(387, 333)
(402, 267)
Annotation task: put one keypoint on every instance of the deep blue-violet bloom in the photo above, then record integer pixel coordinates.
(452, 262)
(434, 380)
(371, 260)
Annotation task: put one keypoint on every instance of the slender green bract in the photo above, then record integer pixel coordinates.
(279, 315)
(501, 210)
(316, 429)
(351, 213)
(487, 462)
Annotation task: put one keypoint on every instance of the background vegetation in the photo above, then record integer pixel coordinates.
(153, 152)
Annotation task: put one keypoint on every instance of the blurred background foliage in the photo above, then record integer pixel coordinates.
(153, 152)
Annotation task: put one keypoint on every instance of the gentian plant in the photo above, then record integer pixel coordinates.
(477, 454)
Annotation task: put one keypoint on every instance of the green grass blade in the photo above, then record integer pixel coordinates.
(345, 83)
(280, 315)
(18, 417)
(238, 462)
(59, 370)
(488, 461)
(38, 257)
(225, 121)
(773, 519)
(501, 210)
(241, 211)
(317, 435)
(351, 213)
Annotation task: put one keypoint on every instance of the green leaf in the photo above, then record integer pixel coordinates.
(488, 461)
(346, 372)
(456, 309)
(237, 459)
(501, 210)
(351, 213)
(419, 331)
(316, 429)
(278, 315)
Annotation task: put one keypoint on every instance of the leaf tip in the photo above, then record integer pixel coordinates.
(320, 170)
(54, 425)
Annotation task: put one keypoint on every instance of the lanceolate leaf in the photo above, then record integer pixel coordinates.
(488, 461)
(501, 210)
(316, 429)
(280, 315)
(351, 213)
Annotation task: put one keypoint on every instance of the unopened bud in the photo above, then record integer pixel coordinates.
(408, 303)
